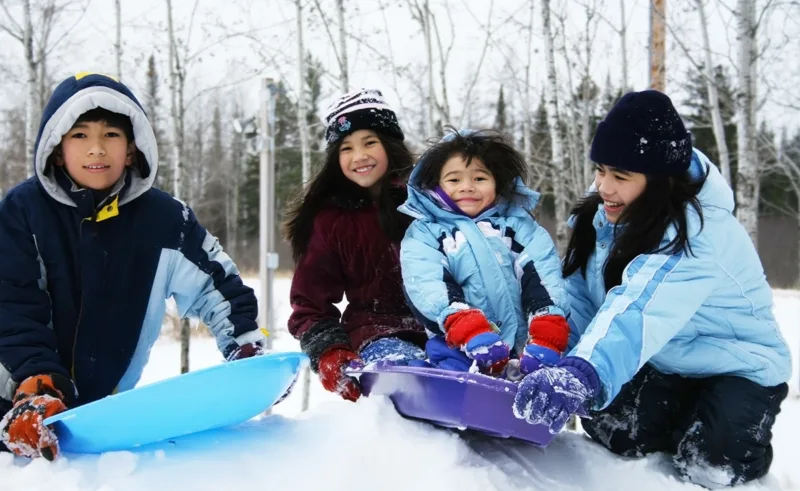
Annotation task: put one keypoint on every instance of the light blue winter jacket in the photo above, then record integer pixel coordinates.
(697, 315)
(501, 262)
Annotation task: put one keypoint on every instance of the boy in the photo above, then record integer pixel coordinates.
(89, 251)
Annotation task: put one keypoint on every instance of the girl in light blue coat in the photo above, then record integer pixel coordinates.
(674, 343)
(479, 272)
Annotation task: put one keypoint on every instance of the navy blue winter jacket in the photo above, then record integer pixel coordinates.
(83, 284)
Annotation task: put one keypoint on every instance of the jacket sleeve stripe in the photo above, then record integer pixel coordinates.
(652, 270)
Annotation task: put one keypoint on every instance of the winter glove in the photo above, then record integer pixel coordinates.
(550, 395)
(470, 331)
(37, 398)
(246, 351)
(443, 356)
(331, 373)
(547, 339)
(391, 351)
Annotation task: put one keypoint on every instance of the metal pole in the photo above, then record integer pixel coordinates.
(266, 201)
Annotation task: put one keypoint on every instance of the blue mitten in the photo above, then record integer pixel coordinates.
(443, 356)
(489, 352)
(392, 351)
(550, 395)
(535, 356)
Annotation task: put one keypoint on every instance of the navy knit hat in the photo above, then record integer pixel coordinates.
(643, 133)
(363, 109)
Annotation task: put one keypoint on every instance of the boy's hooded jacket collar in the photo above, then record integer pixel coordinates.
(77, 95)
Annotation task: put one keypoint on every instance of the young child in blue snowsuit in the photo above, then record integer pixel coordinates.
(674, 343)
(89, 251)
(479, 272)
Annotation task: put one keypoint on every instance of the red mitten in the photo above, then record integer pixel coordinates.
(22, 429)
(331, 373)
(248, 350)
(460, 327)
(549, 331)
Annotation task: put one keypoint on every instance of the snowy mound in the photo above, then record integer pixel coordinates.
(342, 446)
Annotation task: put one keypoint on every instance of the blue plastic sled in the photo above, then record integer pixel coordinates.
(222, 395)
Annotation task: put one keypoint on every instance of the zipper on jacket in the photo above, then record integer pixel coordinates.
(80, 309)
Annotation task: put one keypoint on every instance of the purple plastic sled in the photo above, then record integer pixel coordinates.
(452, 399)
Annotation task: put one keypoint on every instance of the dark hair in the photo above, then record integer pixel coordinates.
(662, 204)
(330, 186)
(492, 148)
(112, 119)
(115, 120)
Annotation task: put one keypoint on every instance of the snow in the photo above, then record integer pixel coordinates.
(340, 445)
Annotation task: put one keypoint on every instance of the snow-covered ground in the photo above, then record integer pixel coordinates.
(339, 445)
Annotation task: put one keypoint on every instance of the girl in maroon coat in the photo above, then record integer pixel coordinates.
(345, 232)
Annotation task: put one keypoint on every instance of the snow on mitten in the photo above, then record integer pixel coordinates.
(332, 364)
(22, 429)
(471, 331)
(550, 395)
(392, 351)
(547, 339)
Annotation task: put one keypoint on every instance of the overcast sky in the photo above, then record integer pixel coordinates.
(270, 48)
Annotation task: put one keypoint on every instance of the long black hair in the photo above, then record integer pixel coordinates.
(499, 156)
(331, 187)
(645, 221)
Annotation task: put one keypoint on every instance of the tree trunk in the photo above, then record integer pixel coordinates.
(32, 101)
(623, 41)
(559, 188)
(426, 30)
(176, 108)
(344, 76)
(713, 98)
(118, 44)
(527, 123)
(176, 103)
(302, 123)
(747, 184)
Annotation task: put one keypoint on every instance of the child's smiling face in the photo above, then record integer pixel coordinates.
(472, 187)
(618, 188)
(363, 159)
(95, 154)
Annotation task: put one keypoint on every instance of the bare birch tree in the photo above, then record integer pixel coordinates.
(343, 66)
(559, 187)
(177, 79)
(713, 96)
(339, 52)
(302, 123)
(38, 37)
(118, 43)
(747, 178)
(623, 41)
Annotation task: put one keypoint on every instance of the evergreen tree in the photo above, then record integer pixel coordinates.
(698, 116)
(500, 120)
(152, 102)
(288, 168)
(316, 128)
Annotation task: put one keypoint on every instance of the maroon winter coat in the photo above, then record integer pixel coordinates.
(349, 254)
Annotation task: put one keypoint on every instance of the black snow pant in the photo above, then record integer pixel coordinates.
(718, 428)
(5, 406)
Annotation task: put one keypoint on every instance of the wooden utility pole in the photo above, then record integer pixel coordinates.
(658, 22)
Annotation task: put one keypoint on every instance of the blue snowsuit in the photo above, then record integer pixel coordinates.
(83, 283)
(699, 314)
(501, 262)
(687, 349)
